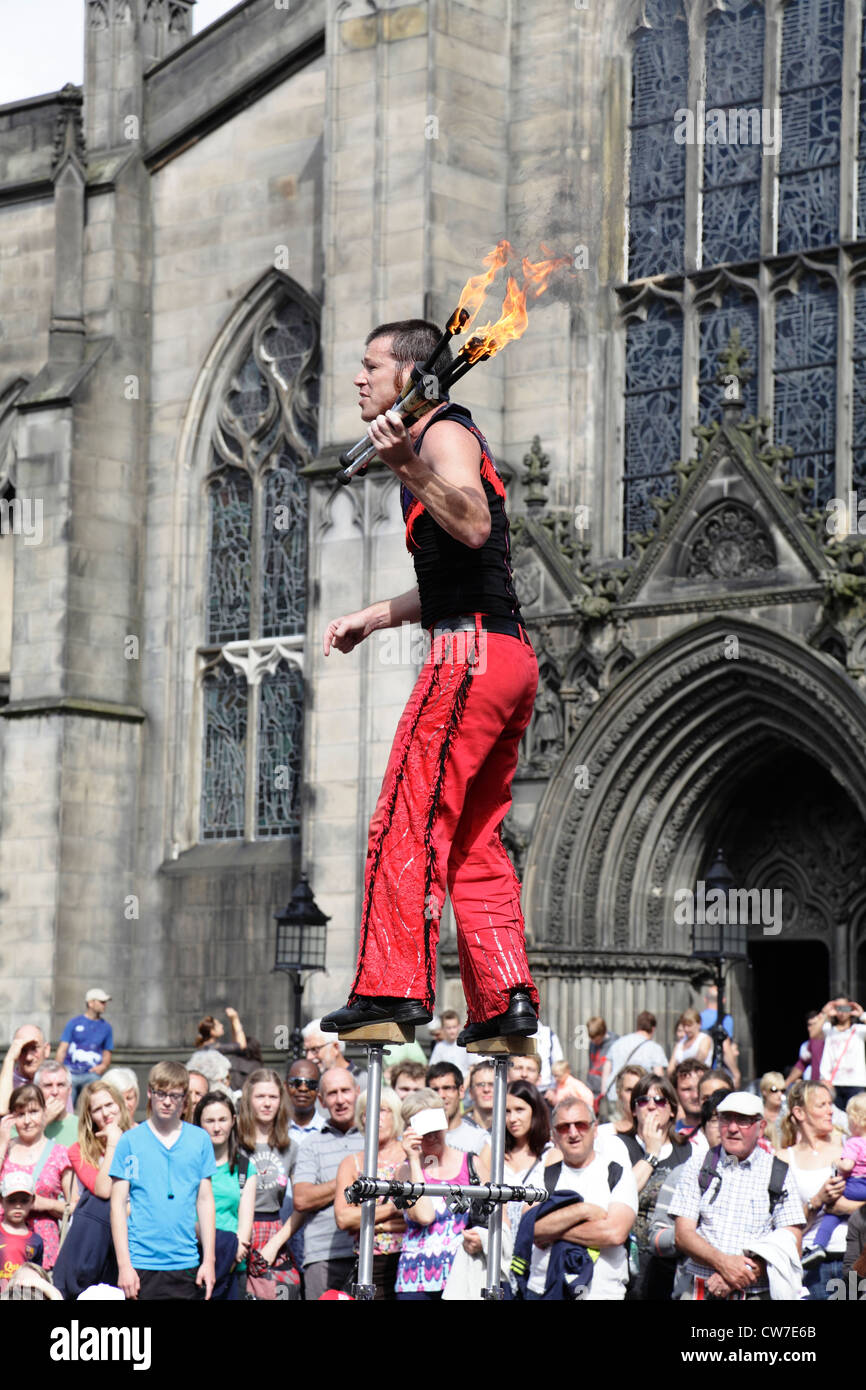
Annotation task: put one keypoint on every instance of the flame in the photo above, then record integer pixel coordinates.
(536, 277)
(472, 295)
(510, 325)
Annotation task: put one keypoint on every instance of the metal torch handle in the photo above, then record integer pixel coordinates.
(361, 454)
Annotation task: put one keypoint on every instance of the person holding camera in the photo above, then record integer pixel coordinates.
(843, 1060)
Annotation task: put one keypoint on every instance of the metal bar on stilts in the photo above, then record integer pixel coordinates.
(493, 1283)
(365, 1288)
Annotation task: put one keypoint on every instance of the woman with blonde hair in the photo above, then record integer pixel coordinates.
(124, 1080)
(693, 1042)
(87, 1254)
(390, 1226)
(813, 1148)
(773, 1096)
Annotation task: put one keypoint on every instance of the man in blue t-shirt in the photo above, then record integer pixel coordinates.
(86, 1042)
(163, 1170)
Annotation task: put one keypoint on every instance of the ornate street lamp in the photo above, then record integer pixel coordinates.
(301, 937)
(718, 939)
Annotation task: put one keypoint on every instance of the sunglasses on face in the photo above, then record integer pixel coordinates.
(772, 1090)
(658, 1101)
(741, 1121)
(300, 1083)
(582, 1126)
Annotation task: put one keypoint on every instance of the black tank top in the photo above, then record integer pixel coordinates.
(452, 577)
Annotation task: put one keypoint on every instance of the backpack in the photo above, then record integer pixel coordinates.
(710, 1172)
(570, 1267)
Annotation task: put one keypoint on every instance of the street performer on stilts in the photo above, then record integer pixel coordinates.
(447, 786)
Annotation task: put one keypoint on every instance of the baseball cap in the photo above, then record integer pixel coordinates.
(16, 1182)
(335, 1296)
(96, 994)
(741, 1103)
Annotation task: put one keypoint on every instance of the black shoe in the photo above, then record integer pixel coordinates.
(376, 1009)
(519, 1017)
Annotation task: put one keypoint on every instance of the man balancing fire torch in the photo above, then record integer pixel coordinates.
(447, 786)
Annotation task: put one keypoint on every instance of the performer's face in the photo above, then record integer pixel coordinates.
(380, 379)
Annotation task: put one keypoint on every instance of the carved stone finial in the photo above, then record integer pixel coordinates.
(537, 476)
(732, 374)
(69, 128)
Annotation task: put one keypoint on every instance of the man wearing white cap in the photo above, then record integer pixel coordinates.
(86, 1041)
(728, 1198)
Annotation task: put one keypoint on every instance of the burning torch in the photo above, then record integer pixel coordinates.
(424, 389)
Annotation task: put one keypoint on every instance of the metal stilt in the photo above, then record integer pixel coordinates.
(493, 1283)
(365, 1288)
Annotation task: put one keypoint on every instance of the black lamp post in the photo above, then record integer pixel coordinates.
(718, 940)
(301, 934)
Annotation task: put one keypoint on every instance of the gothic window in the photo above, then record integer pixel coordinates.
(761, 156)
(858, 481)
(861, 140)
(732, 167)
(805, 381)
(811, 105)
(252, 657)
(654, 350)
(656, 210)
(717, 322)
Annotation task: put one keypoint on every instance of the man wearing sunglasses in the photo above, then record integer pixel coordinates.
(603, 1218)
(302, 1084)
(719, 1216)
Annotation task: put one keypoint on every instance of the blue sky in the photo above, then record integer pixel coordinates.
(43, 43)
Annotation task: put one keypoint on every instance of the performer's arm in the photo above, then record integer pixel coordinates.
(345, 633)
(445, 475)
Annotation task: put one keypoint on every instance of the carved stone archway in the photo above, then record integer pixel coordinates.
(659, 759)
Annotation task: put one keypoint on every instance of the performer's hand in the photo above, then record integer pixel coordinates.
(345, 633)
(392, 441)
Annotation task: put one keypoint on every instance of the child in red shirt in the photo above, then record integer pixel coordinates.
(19, 1245)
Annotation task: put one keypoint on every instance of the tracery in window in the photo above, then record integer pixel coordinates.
(805, 380)
(654, 349)
(811, 104)
(265, 434)
(656, 206)
(732, 166)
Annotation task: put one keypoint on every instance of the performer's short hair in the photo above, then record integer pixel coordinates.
(412, 340)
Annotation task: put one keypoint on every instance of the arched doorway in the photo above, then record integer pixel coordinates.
(674, 758)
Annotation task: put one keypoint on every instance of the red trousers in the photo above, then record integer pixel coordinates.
(436, 825)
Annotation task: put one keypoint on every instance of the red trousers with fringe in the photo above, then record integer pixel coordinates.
(436, 825)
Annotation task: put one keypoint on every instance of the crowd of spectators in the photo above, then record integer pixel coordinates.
(667, 1174)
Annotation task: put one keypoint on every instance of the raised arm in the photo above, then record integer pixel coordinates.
(238, 1033)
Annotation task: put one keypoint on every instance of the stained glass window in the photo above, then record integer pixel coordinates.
(859, 421)
(716, 326)
(281, 705)
(805, 382)
(654, 351)
(284, 545)
(656, 205)
(861, 141)
(732, 163)
(225, 732)
(257, 574)
(811, 103)
(228, 606)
